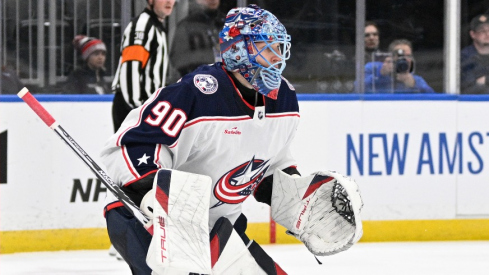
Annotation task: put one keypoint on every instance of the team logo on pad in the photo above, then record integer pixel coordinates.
(206, 83)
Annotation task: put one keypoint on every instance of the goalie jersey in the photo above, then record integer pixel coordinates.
(202, 125)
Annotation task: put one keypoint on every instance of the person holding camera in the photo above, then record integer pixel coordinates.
(395, 73)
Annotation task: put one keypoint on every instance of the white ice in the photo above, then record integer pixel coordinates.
(363, 258)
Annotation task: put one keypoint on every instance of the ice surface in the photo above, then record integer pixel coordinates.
(363, 258)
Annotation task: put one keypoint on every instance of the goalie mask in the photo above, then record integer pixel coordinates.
(244, 27)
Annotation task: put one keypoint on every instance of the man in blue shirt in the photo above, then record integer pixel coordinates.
(395, 73)
(474, 59)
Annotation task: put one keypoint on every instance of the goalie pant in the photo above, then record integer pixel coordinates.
(232, 252)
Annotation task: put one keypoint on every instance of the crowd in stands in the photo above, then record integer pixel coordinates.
(195, 42)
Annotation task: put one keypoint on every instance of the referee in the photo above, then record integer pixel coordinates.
(144, 59)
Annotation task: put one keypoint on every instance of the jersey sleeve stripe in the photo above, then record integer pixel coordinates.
(157, 156)
(173, 145)
(135, 53)
(202, 119)
(128, 163)
(283, 115)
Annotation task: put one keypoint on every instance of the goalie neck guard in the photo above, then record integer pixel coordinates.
(242, 29)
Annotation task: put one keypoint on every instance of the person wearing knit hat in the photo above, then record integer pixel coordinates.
(88, 45)
(89, 77)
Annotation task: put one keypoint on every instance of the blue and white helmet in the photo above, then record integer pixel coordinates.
(244, 27)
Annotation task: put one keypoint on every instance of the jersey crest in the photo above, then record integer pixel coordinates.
(238, 183)
(206, 83)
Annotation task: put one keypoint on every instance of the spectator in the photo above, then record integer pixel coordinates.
(371, 41)
(196, 40)
(89, 78)
(396, 73)
(144, 59)
(474, 61)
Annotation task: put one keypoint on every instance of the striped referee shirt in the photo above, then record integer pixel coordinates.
(144, 59)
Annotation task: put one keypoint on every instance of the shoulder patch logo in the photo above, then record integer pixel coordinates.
(206, 83)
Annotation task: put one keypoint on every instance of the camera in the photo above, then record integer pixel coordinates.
(402, 64)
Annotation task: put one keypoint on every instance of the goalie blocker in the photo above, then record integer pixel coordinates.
(321, 210)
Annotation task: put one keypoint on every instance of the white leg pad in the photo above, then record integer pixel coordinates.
(237, 260)
(180, 243)
(231, 256)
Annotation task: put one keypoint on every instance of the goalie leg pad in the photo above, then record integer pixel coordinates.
(237, 255)
(180, 243)
(322, 210)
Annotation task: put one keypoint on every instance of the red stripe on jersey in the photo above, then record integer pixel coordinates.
(241, 118)
(192, 122)
(157, 157)
(283, 115)
(313, 187)
(128, 162)
(240, 95)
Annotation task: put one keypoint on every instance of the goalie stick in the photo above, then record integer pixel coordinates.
(45, 116)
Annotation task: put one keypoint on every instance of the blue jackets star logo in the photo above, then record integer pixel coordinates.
(143, 159)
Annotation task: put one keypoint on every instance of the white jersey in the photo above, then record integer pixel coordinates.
(202, 125)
